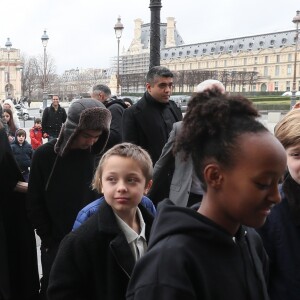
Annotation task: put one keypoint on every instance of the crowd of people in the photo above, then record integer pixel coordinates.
(133, 201)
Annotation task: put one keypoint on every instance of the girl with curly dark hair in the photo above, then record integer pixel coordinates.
(214, 253)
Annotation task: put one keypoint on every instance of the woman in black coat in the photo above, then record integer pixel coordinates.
(19, 278)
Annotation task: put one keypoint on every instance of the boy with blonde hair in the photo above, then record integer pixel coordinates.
(96, 260)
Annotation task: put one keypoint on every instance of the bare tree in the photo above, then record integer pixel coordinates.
(33, 75)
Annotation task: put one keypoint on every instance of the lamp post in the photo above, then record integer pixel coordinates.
(45, 39)
(118, 31)
(155, 6)
(296, 20)
(8, 45)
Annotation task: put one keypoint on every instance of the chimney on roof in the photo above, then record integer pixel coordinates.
(170, 40)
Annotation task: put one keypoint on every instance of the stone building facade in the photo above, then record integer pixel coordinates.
(10, 72)
(268, 58)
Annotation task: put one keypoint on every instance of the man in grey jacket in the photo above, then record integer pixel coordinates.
(179, 182)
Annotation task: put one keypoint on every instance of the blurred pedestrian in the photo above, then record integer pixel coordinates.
(53, 118)
(36, 134)
(116, 107)
(22, 151)
(213, 253)
(127, 101)
(9, 104)
(11, 126)
(61, 174)
(149, 122)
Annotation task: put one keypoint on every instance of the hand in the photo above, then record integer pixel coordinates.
(21, 187)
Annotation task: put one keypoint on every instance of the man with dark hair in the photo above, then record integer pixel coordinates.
(53, 118)
(149, 122)
(61, 174)
(116, 107)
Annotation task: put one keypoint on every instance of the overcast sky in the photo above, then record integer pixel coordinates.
(81, 32)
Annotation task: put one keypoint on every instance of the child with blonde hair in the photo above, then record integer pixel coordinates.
(281, 232)
(96, 260)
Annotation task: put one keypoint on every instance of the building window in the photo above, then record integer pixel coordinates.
(188, 52)
(276, 86)
(245, 61)
(204, 50)
(207, 64)
(255, 60)
(195, 51)
(216, 64)
(230, 47)
(289, 69)
(261, 43)
(254, 87)
(277, 70)
(250, 45)
(265, 71)
(221, 48)
(288, 86)
(235, 62)
(225, 63)
(283, 41)
(272, 42)
(266, 59)
(255, 69)
(289, 57)
(180, 53)
(277, 58)
(241, 46)
(212, 49)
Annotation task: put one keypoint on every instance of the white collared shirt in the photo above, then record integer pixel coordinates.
(136, 242)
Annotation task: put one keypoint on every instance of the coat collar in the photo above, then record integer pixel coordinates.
(119, 247)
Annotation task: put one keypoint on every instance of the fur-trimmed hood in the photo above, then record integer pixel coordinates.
(84, 114)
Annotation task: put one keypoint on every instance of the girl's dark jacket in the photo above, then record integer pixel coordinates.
(19, 278)
(95, 261)
(191, 257)
(22, 153)
(281, 237)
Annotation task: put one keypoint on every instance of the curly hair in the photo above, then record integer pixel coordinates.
(211, 126)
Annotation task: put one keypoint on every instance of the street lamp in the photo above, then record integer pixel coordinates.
(155, 7)
(296, 20)
(8, 45)
(118, 31)
(45, 39)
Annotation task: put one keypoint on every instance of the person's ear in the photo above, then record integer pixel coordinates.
(148, 87)
(148, 187)
(213, 175)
